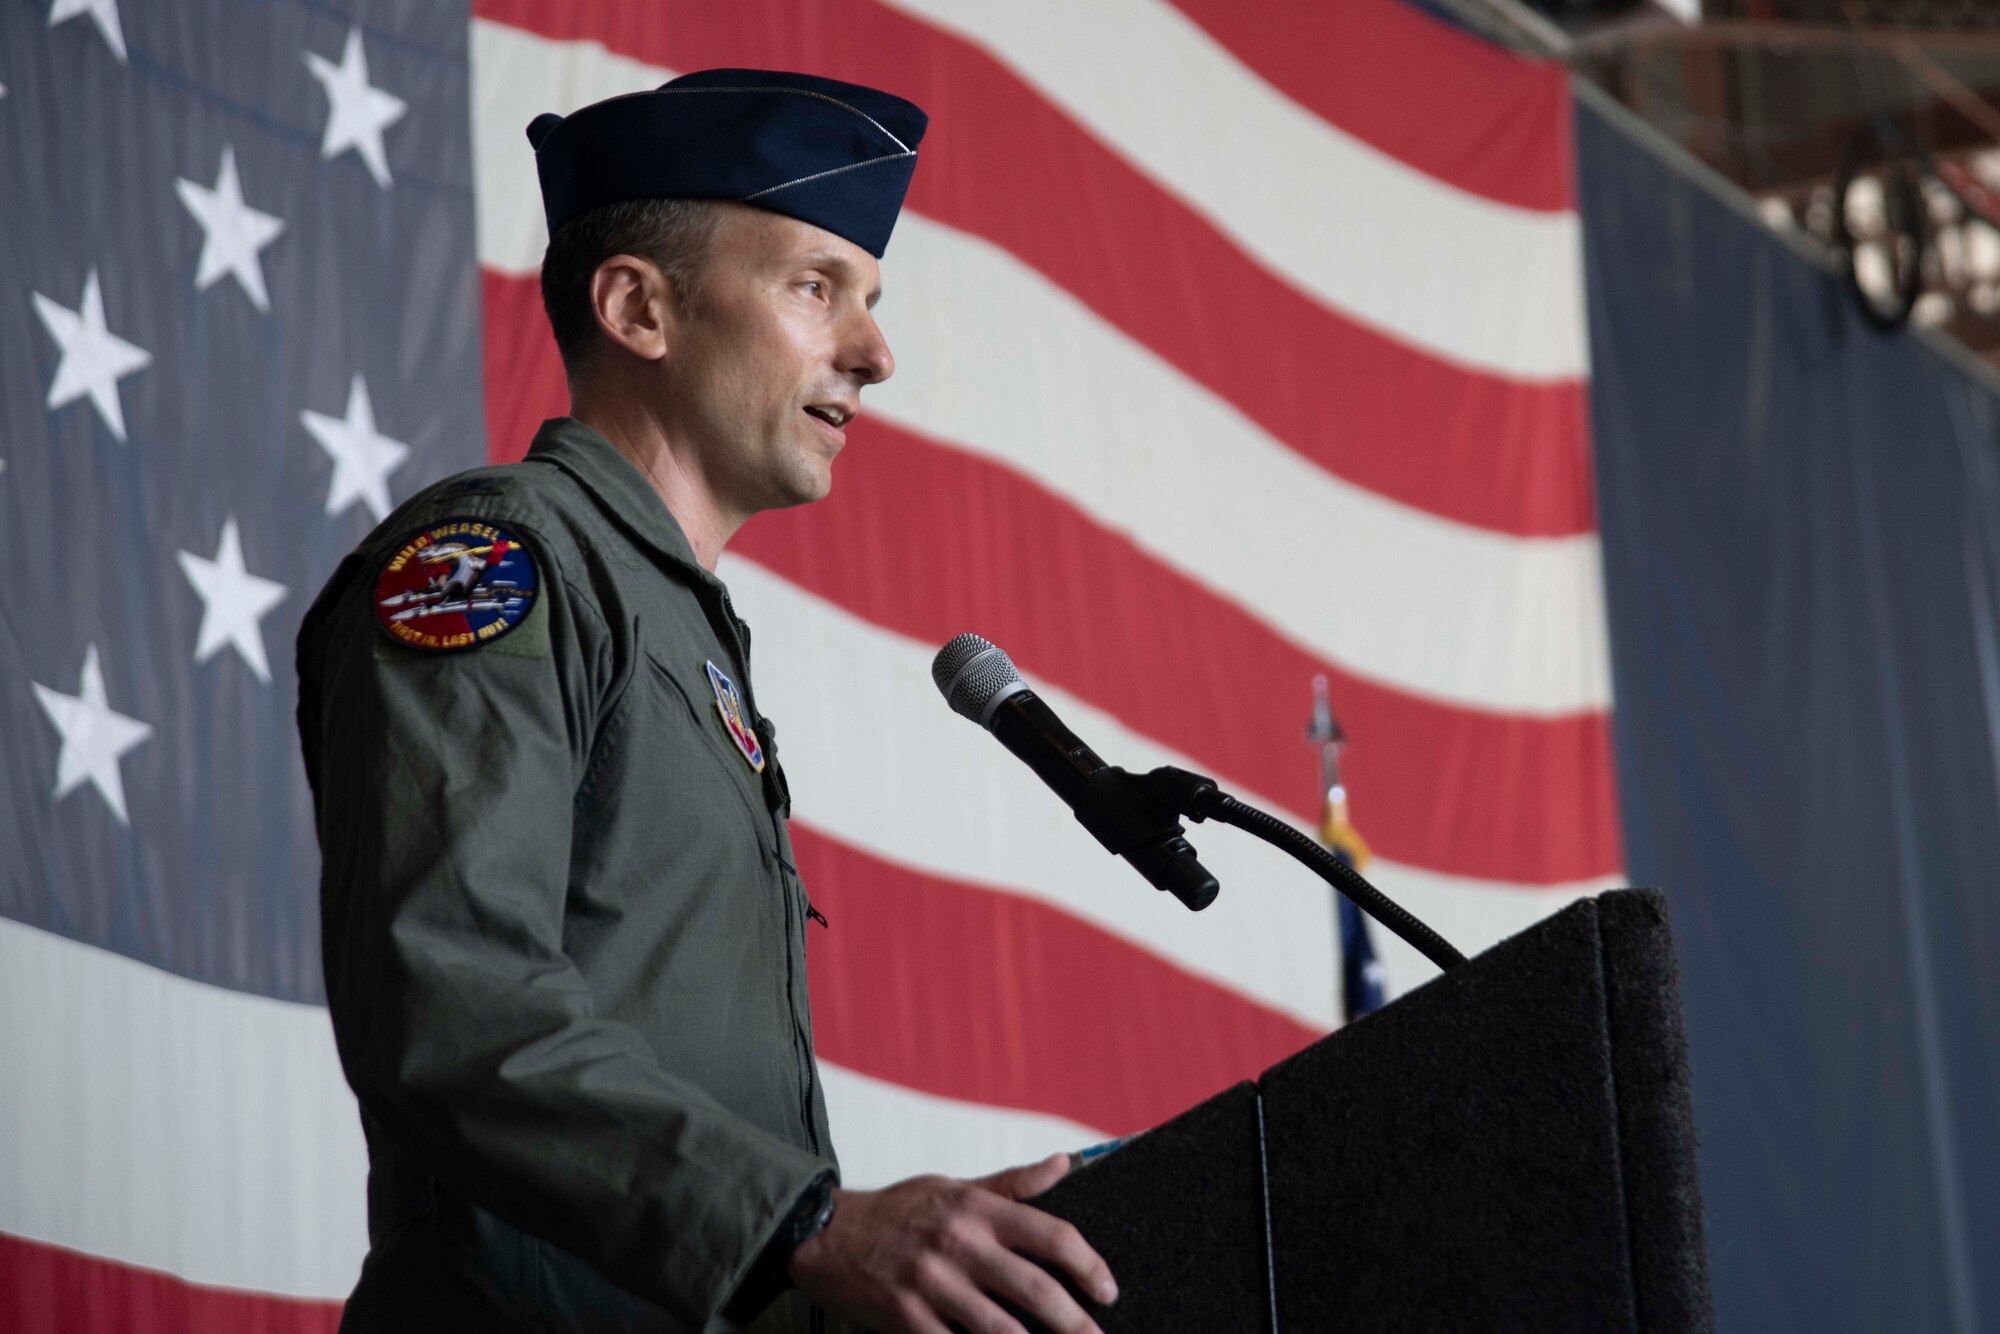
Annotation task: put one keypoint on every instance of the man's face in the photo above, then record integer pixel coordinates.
(765, 370)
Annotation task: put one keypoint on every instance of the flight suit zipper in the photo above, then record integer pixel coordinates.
(789, 877)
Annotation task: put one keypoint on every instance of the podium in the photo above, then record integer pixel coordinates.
(1508, 1147)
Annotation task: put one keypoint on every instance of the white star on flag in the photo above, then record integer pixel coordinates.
(104, 13)
(232, 232)
(93, 358)
(232, 601)
(94, 736)
(359, 113)
(362, 457)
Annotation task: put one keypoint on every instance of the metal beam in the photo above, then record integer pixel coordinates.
(1784, 36)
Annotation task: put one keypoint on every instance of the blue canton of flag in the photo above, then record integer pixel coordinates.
(240, 305)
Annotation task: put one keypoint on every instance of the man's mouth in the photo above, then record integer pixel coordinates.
(833, 414)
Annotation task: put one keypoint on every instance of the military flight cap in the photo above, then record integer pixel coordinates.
(836, 155)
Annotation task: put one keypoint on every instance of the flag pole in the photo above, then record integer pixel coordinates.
(1361, 988)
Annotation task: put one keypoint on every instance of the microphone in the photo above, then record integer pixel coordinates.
(980, 682)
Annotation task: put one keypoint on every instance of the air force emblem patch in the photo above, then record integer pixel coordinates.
(730, 705)
(455, 585)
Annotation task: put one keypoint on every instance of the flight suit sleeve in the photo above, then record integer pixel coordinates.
(443, 784)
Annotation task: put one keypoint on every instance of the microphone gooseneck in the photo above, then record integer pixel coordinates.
(1225, 809)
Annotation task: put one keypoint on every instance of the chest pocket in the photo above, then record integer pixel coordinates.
(734, 771)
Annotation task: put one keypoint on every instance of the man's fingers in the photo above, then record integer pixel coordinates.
(1022, 1227)
(1021, 1183)
(955, 1297)
(917, 1317)
(1006, 1274)
(931, 1252)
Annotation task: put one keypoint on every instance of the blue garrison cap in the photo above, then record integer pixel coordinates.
(836, 155)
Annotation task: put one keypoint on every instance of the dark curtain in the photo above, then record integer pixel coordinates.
(1801, 525)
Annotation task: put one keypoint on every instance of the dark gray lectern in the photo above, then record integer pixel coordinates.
(1510, 1147)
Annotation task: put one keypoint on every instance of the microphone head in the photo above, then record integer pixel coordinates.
(974, 676)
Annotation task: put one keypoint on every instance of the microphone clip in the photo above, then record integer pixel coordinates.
(1135, 817)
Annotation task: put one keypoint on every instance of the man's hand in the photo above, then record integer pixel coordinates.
(932, 1250)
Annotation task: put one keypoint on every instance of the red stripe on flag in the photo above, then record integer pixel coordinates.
(524, 373)
(911, 539)
(1422, 91)
(49, 1290)
(991, 998)
(1483, 449)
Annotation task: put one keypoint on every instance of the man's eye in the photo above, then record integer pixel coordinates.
(813, 286)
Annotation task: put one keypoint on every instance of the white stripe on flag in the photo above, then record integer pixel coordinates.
(174, 1125)
(885, 1132)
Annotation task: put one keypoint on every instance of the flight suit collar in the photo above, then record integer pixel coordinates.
(631, 501)
(621, 488)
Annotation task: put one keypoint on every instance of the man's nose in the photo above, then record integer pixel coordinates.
(868, 357)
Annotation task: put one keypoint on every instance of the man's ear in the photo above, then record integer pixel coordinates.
(635, 305)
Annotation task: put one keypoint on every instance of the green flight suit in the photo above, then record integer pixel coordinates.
(564, 935)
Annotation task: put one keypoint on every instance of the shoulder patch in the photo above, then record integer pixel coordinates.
(456, 584)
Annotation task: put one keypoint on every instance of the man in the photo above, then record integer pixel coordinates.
(564, 934)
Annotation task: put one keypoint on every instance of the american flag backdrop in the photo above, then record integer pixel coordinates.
(1237, 344)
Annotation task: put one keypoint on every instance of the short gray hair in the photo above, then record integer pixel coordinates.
(672, 233)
